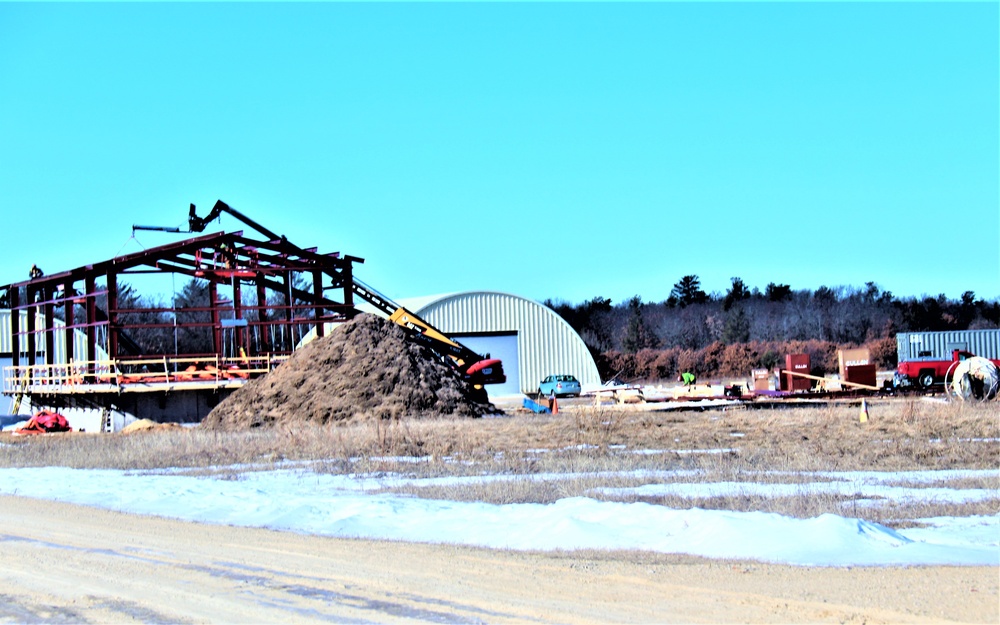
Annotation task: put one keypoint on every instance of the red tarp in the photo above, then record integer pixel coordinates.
(44, 421)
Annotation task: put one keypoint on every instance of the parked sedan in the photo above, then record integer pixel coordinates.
(559, 385)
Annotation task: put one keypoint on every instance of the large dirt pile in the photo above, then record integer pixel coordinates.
(365, 369)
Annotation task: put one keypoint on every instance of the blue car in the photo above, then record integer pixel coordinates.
(559, 385)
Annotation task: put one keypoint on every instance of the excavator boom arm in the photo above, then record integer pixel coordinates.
(480, 369)
(197, 224)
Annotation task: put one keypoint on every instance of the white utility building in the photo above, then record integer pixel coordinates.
(531, 339)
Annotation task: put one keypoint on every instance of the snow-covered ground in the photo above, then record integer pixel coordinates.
(299, 500)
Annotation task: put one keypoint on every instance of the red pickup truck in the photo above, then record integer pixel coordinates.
(928, 373)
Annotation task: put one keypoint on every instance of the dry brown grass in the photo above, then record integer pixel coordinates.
(598, 446)
(899, 435)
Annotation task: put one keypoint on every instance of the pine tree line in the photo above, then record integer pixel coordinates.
(730, 333)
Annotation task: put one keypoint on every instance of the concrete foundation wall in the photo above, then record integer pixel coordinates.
(96, 412)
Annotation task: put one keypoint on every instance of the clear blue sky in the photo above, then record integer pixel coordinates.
(559, 151)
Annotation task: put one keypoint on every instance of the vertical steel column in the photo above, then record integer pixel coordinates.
(50, 331)
(213, 297)
(347, 279)
(112, 316)
(68, 314)
(262, 316)
(14, 295)
(318, 301)
(32, 313)
(239, 330)
(90, 285)
(288, 314)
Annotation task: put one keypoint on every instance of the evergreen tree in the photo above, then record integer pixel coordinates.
(688, 291)
(737, 293)
(637, 333)
(778, 292)
(194, 331)
(736, 328)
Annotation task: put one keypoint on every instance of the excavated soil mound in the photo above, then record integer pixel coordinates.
(366, 368)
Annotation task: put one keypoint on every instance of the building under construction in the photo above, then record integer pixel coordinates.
(74, 340)
(81, 343)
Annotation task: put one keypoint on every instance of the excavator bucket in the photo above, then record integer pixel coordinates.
(489, 371)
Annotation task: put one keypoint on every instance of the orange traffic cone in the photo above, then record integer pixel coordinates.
(555, 406)
(864, 411)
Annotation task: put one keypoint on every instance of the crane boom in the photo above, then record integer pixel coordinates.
(477, 369)
(197, 224)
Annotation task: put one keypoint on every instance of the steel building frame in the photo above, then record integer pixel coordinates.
(229, 260)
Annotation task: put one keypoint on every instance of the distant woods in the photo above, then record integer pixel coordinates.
(711, 335)
(728, 334)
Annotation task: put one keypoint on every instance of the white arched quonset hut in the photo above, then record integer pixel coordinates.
(531, 339)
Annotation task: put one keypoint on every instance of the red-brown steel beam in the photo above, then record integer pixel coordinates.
(238, 314)
(14, 297)
(48, 314)
(68, 290)
(90, 286)
(262, 315)
(264, 258)
(32, 315)
(213, 297)
(112, 315)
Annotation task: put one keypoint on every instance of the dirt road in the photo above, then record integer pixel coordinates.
(61, 563)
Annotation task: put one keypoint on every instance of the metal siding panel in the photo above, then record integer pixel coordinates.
(984, 343)
(935, 342)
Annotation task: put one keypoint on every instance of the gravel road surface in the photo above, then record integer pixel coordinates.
(70, 564)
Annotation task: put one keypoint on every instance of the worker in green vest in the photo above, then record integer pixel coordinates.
(687, 378)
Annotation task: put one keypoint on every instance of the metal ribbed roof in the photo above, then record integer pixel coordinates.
(546, 343)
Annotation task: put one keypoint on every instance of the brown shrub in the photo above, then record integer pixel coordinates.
(666, 363)
(711, 358)
(690, 360)
(739, 359)
(883, 352)
(618, 364)
(822, 354)
(645, 364)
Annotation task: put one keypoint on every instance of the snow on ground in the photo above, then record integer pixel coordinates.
(855, 489)
(299, 500)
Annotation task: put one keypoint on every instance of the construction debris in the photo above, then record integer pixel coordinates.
(148, 425)
(367, 368)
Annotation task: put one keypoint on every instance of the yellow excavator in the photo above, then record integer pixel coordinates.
(478, 369)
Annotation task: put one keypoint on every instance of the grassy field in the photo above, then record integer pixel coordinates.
(585, 448)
